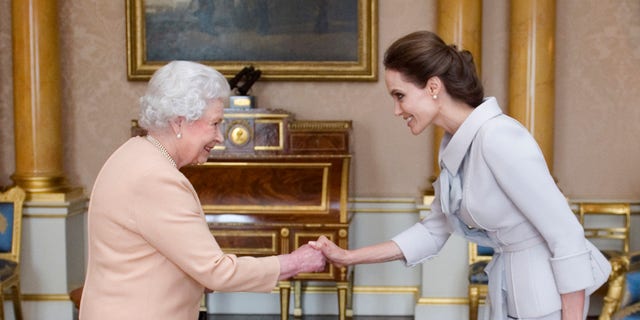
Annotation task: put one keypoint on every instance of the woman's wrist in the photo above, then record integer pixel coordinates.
(573, 305)
(286, 266)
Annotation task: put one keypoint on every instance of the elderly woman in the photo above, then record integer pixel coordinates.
(151, 253)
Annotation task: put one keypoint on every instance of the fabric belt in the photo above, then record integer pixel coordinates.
(497, 276)
(522, 245)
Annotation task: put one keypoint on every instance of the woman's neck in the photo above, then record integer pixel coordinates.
(168, 142)
(453, 114)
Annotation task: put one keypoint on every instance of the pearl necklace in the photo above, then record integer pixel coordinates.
(162, 149)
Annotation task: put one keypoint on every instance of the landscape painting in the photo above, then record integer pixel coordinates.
(285, 39)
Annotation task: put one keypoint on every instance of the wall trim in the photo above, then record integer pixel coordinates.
(43, 297)
(443, 301)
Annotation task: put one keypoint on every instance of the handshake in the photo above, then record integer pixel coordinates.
(311, 257)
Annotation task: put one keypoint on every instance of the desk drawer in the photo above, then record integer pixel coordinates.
(250, 240)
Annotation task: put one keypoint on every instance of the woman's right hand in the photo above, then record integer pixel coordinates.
(336, 255)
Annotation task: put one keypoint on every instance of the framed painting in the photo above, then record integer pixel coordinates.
(286, 39)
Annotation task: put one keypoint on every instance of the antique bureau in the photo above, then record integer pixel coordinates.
(275, 184)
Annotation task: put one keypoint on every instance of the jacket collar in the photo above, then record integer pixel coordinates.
(454, 148)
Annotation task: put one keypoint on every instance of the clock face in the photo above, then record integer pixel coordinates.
(239, 135)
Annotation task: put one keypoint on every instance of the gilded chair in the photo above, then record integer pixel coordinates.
(631, 312)
(479, 257)
(630, 305)
(607, 225)
(10, 232)
(613, 241)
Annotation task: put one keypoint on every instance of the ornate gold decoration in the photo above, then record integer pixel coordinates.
(616, 283)
(239, 135)
(310, 125)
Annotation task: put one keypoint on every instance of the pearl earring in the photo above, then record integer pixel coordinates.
(435, 96)
(179, 135)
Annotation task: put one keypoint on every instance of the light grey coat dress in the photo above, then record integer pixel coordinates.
(496, 190)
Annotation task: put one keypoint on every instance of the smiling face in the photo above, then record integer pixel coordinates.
(202, 135)
(414, 104)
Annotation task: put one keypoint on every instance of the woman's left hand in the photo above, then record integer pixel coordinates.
(335, 254)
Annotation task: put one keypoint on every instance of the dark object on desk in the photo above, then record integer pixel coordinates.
(241, 83)
(244, 80)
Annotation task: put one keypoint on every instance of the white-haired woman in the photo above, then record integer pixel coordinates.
(151, 254)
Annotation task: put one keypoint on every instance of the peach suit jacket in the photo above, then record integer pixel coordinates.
(496, 190)
(151, 253)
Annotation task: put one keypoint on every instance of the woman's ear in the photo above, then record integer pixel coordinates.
(176, 125)
(434, 86)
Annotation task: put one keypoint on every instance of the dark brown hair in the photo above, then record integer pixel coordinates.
(421, 55)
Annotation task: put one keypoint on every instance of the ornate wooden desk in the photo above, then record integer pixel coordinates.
(275, 184)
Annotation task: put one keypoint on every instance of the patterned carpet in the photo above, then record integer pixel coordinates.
(277, 317)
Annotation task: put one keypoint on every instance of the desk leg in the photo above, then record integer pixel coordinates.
(342, 299)
(297, 299)
(349, 311)
(285, 291)
(202, 315)
(350, 279)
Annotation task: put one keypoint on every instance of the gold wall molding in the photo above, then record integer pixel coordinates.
(412, 290)
(42, 297)
(45, 216)
(382, 200)
(442, 301)
(358, 204)
(377, 210)
(383, 205)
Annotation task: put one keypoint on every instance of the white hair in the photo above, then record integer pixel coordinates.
(180, 88)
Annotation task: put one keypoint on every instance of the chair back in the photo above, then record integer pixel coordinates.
(479, 253)
(607, 224)
(11, 223)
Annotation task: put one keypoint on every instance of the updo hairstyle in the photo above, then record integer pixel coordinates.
(421, 55)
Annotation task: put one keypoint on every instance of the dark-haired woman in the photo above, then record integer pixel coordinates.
(494, 189)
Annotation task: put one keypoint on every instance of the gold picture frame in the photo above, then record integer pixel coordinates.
(142, 61)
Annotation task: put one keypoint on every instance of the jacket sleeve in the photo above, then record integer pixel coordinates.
(424, 240)
(519, 168)
(169, 216)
